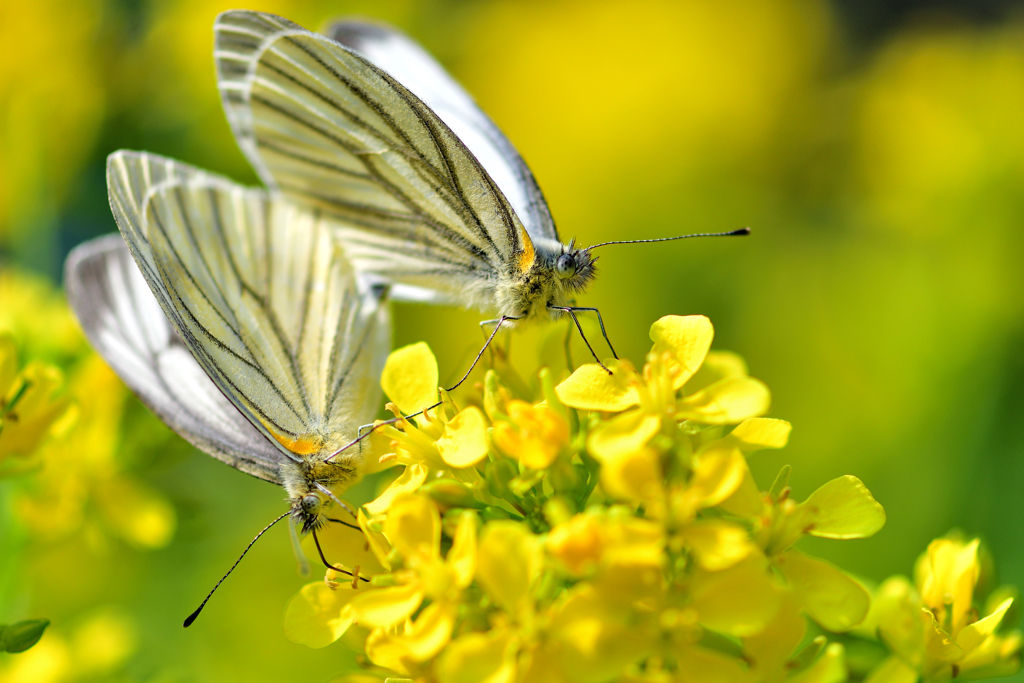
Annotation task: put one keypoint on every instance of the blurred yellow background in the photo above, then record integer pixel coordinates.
(880, 164)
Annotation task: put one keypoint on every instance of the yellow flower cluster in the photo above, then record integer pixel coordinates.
(932, 627)
(64, 436)
(30, 404)
(608, 528)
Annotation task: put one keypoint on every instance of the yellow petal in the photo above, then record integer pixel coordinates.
(577, 543)
(376, 540)
(770, 650)
(687, 338)
(413, 526)
(756, 433)
(892, 670)
(843, 508)
(829, 596)
(479, 658)
(462, 555)
(701, 665)
(739, 601)
(508, 561)
(974, 634)
(632, 541)
(8, 364)
(38, 407)
(896, 610)
(995, 657)
(431, 631)
(830, 668)
(634, 476)
(717, 365)
(623, 435)
(384, 607)
(386, 651)
(410, 377)
(597, 641)
(940, 650)
(947, 575)
(408, 482)
(534, 435)
(726, 402)
(464, 442)
(591, 388)
(348, 547)
(717, 474)
(717, 543)
(313, 617)
(543, 664)
(746, 500)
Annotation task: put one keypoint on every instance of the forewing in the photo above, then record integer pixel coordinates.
(411, 65)
(331, 130)
(262, 296)
(125, 324)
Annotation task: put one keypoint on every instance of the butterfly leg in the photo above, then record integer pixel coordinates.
(330, 494)
(360, 436)
(572, 314)
(343, 523)
(600, 321)
(499, 322)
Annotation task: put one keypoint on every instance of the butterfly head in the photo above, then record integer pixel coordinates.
(308, 511)
(313, 487)
(574, 267)
(310, 505)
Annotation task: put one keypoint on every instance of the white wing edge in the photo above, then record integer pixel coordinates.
(125, 324)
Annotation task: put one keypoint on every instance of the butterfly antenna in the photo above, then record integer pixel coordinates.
(192, 617)
(335, 567)
(731, 233)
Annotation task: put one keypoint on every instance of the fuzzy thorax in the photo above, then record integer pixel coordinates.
(303, 479)
(556, 275)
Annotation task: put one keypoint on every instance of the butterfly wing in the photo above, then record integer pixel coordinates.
(124, 323)
(411, 65)
(261, 295)
(328, 128)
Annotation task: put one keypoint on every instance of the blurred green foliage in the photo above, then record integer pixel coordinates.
(879, 295)
(23, 635)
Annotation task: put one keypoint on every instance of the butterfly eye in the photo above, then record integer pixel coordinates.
(565, 266)
(310, 504)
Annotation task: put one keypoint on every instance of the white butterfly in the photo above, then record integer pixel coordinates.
(240, 323)
(423, 189)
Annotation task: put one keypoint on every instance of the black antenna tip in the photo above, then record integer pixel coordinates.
(741, 231)
(192, 617)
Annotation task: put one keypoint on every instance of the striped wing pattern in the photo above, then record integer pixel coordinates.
(125, 324)
(411, 65)
(262, 296)
(329, 129)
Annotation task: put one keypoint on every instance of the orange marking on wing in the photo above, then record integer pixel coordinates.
(527, 256)
(304, 444)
